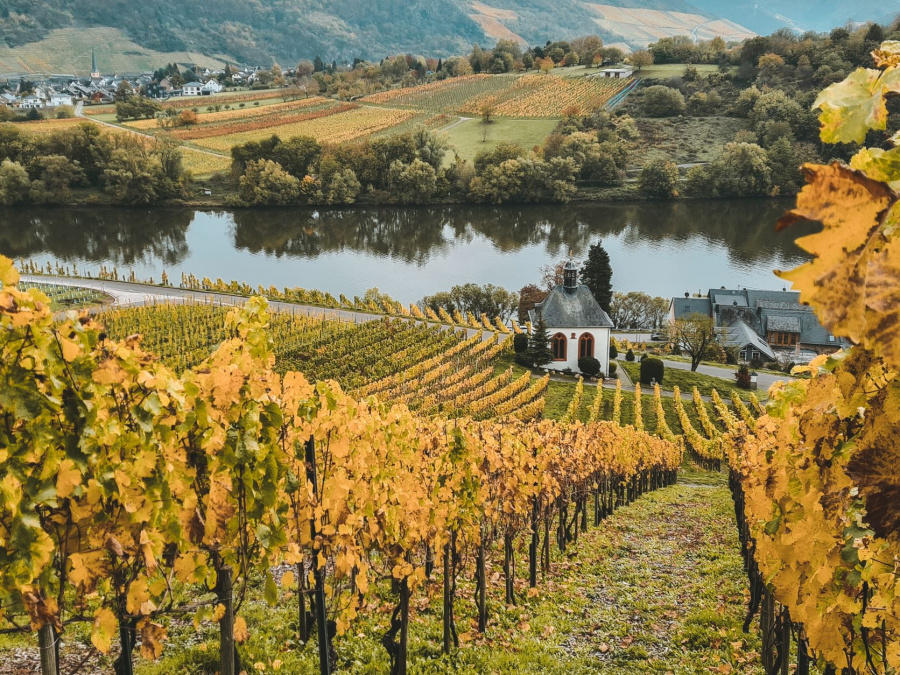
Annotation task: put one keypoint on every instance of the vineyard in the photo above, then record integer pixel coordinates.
(187, 102)
(239, 112)
(194, 481)
(548, 96)
(509, 95)
(339, 124)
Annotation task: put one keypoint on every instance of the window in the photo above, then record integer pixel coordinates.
(558, 346)
(585, 346)
(755, 355)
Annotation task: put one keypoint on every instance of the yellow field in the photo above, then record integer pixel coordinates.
(199, 102)
(548, 96)
(339, 128)
(43, 127)
(202, 164)
(239, 113)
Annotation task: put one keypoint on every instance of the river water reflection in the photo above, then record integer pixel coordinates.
(660, 248)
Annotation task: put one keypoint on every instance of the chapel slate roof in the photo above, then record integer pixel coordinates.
(579, 309)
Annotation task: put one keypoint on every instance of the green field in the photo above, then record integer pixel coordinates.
(471, 136)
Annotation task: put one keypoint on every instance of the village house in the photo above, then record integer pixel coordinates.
(761, 325)
(577, 325)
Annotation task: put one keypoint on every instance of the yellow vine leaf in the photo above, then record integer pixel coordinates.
(9, 275)
(874, 466)
(851, 283)
(287, 579)
(105, 626)
(68, 477)
(853, 106)
(240, 629)
(152, 637)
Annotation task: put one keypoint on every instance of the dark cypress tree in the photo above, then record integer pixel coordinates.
(596, 274)
(318, 64)
(440, 65)
(539, 345)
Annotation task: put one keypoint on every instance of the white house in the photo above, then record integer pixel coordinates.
(60, 99)
(577, 325)
(620, 73)
(31, 103)
(211, 87)
(192, 89)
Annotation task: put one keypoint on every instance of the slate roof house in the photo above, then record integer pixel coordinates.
(760, 324)
(576, 323)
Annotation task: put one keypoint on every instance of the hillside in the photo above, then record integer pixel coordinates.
(288, 30)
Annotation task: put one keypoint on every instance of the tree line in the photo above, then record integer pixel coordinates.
(37, 169)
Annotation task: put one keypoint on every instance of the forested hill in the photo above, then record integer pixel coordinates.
(255, 31)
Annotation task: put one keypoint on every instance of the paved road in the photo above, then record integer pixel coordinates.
(128, 294)
(764, 380)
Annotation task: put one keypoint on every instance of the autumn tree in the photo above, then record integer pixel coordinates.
(694, 334)
(640, 59)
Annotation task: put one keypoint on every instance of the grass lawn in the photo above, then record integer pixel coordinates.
(666, 70)
(468, 137)
(559, 394)
(687, 380)
(658, 587)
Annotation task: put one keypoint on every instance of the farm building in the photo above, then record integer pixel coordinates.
(577, 325)
(761, 325)
(620, 73)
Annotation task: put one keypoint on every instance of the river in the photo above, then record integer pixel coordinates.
(662, 248)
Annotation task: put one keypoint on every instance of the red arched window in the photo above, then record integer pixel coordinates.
(558, 345)
(585, 346)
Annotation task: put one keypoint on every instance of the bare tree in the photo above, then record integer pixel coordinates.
(694, 334)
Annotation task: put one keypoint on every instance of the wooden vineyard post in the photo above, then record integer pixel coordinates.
(404, 627)
(450, 637)
(545, 554)
(597, 506)
(47, 645)
(226, 623)
(303, 619)
(318, 573)
(533, 547)
(481, 586)
(509, 567)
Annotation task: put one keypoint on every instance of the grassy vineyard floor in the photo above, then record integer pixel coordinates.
(658, 587)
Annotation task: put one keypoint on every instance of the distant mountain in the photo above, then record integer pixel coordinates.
(767, 16)
(258, 31)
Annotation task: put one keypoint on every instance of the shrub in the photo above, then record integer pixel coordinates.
(662, 101)
(629, 356)
(613, 367)
(652, 368)
(659, 179)
(742, 377)
(589, 366)
(613, 352)
(644, 357)
(520, 343)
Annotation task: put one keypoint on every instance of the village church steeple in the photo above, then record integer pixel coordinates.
(95, 72)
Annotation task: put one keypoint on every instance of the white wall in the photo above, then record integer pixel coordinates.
(601, 347)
